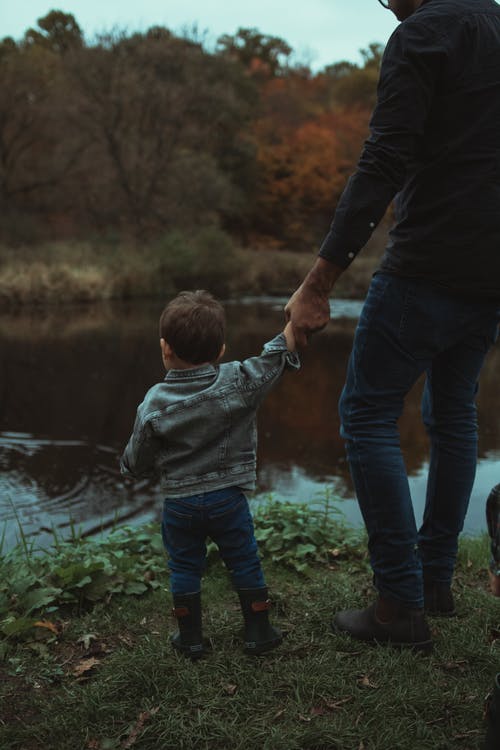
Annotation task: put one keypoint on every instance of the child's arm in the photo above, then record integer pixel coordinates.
(139, 456)
(259, 374)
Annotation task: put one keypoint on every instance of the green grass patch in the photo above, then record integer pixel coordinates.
(100, 673)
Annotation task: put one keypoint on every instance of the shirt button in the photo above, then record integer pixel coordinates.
(372, 225)
(350, 255)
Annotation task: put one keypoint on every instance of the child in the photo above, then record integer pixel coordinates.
(197, 429)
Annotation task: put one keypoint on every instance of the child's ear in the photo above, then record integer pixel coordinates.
(166, 349)
(222, 352)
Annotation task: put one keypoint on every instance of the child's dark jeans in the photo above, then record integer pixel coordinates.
(224, 516)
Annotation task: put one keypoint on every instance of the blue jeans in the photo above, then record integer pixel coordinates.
(224, 516)
(407, 328)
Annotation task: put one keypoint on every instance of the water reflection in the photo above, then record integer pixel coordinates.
(70, 383)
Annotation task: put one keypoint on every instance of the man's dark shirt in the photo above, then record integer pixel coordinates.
(435, 142)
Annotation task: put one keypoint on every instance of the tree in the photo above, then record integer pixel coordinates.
(350, 85)
(34, 154)
(158, 113)
(302, 177)
(260, 54)
(59, 32)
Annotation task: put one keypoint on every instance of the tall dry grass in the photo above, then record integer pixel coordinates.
(61, 273)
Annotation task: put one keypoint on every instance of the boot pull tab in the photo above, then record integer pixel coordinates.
(261, 606)
(180, 611)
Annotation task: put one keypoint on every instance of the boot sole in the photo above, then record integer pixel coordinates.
(194, 653)
(423, 647)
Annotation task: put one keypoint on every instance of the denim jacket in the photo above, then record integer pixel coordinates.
(197, 428)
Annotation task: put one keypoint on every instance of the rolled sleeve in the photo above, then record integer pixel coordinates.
(259, 374)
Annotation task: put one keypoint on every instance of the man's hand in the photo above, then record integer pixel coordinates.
(308, 309)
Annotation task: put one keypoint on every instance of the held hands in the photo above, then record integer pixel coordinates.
(308, 309)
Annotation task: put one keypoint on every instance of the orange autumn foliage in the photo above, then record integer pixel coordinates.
(303, 171)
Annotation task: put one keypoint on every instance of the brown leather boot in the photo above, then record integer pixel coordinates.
(386, 621)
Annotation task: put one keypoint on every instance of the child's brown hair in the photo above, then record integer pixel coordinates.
(194, 326)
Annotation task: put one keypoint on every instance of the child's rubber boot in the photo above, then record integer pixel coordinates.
(492, 739)
(189, 639)
(260, 635)
(493, 522)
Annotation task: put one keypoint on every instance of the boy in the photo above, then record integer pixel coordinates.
(197, 430)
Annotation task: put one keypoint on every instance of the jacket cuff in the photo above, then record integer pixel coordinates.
(278, 345)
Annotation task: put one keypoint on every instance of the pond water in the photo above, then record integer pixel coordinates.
(71, 379)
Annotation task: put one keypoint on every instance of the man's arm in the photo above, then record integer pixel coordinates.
(410, 68)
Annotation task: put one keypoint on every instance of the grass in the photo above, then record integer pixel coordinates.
(106, 677)
(69, 272)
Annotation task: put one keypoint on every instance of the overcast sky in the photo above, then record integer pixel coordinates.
(320, 31)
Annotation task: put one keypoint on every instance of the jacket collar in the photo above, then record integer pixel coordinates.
(190, 374)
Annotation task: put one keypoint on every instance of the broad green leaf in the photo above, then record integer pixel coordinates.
(301, 550)
(135, 588)
(16, 626)
(99, 587)
(22, 580)
(38, 598)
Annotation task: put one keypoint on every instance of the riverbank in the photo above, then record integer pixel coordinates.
(86, 661)
(68, 272)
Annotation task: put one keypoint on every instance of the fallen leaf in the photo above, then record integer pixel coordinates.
(86, 639)
(126, 639)
(47, 624)
(86, 665)
(364, 681)
(304, 718)
(144, 716)
(230, 689)
(319, 711)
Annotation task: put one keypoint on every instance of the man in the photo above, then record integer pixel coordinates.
(433, 306)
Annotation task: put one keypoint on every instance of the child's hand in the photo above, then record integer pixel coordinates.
(290, 338)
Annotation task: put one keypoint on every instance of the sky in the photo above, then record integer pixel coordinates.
(320, 32)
